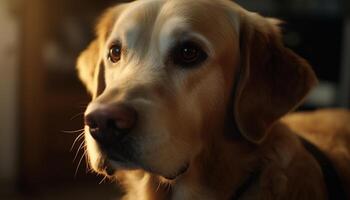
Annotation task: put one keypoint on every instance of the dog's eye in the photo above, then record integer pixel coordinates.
(188, 54)
(114, 53)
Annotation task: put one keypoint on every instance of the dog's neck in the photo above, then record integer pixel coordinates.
(209, 176)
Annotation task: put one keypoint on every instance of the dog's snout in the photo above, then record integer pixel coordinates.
(110, 123)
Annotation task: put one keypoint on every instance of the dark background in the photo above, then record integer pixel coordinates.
(42, 101)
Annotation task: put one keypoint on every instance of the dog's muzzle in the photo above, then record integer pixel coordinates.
(108, 125)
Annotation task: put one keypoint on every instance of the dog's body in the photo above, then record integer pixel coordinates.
(187, 103)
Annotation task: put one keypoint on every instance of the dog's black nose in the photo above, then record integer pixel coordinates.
(108, 124)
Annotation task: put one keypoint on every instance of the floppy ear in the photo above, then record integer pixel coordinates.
(87, 64)
(273, 79)
(90, 62)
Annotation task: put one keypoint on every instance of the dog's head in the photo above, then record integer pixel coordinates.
(166, 75)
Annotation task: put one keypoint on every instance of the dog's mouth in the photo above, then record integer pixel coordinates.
(123, 156)
(110, 164)
(111, 161)
(106, 167)
(109, 167)
(180, 172)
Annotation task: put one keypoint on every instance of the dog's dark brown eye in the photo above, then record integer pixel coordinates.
(114, 53)
(189, 54)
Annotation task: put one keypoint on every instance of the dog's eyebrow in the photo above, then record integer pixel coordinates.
(167, 42)
(190, 36)
(177, 30)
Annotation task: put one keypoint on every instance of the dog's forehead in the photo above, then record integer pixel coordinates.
(142, 19)
(135, 21)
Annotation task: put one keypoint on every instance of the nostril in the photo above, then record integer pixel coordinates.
(90, 122)
(94, 128)
(125, 118)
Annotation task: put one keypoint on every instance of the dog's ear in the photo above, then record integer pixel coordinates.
(273, 79)
(90, 62)
(87, 65)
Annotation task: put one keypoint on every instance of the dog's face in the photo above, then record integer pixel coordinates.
(161, 74)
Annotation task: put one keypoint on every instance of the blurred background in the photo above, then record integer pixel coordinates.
(42, 101)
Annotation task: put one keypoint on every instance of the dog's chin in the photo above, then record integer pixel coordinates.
(109, 167)
(182, 170)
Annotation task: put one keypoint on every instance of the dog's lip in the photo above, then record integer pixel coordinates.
(181, 171)
(110, 153)
(105, 167)
(110, 166)
(113, 161)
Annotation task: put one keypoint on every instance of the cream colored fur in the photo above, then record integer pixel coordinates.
(184, 113)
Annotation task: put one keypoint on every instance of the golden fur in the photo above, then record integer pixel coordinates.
(184, 114)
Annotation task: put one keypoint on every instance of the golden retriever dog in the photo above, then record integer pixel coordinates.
(190, 101)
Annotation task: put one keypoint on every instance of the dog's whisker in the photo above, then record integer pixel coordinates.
(168, 187)
(103, 180)
(76, 155)
(83, 105)
(77, 115)
(112, 179)
(79, 148)
(88, 169)
(79, 137)
(87, 166)
(159, 183)
(87, 161)
(76, 170)
(73, 131)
